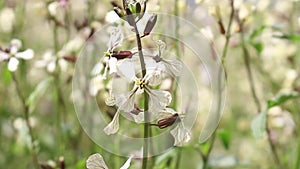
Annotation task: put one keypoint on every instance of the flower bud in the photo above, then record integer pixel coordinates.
(150, 25)
(168, 121)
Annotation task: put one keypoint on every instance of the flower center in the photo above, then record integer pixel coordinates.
(107, 54)
(140, 83)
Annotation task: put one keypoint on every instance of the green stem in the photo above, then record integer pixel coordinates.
(27, 120)
(297, 164)
(61, 106)
(146, 100)
(205, 157)
(178, 160)
(254, 95)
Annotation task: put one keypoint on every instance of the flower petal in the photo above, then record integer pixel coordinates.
(173, 66)
(97, 69)
(158, 100)
(127, 163)
(96, 161)
(96, 84)
(27, 54)
(126, 69)
(13, 64)
(181, 134)
(113, 126)
(116, 38)
(3, 56)
(112, 65)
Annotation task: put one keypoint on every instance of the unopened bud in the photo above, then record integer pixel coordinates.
(150, 24)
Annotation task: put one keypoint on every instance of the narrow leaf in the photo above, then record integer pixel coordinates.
(40, 90)
(225, 137)
(282, 97)
(258, 125)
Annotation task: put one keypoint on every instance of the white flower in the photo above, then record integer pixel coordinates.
(95, 161)
(158, 100)
(49, 62)
(13, 55)
(116, 38)
(172, 67)
(181, 134)
(7, 19)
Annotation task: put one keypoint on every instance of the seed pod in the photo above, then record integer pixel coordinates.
(166, 122)
(122, 54)
(150, 25)
(70, 58)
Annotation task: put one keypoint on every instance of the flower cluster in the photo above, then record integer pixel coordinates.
(125, 65)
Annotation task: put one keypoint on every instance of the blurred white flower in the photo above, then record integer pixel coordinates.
(96, 161)
(12, 55)
(111, 17)
(113, 126)
(7, 19)
(49, 62)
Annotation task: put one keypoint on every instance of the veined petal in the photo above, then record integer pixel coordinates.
(181, 134)
(27, 54)
(112, 65)
(127, 163)
(96, 161)
(116, 38)
(3, 56)
(13, 64)
(113, 126)
(158, 100)
(173, 66)
(126, 69)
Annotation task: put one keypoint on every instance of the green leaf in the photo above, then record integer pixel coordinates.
(258, 125)
(289, 37)
(225, 137)
(282, 97)
(40, 90)
(257, 32)
(258, 46)
(6, 76)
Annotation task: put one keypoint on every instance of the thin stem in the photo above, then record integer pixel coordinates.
(178, 160)
(61, 106)
(249, 72)
(254, 95)
(146, 100)
(228, 33)
(27, 120)
(205, 157)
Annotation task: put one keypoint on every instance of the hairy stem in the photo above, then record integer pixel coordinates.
(27, 121)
